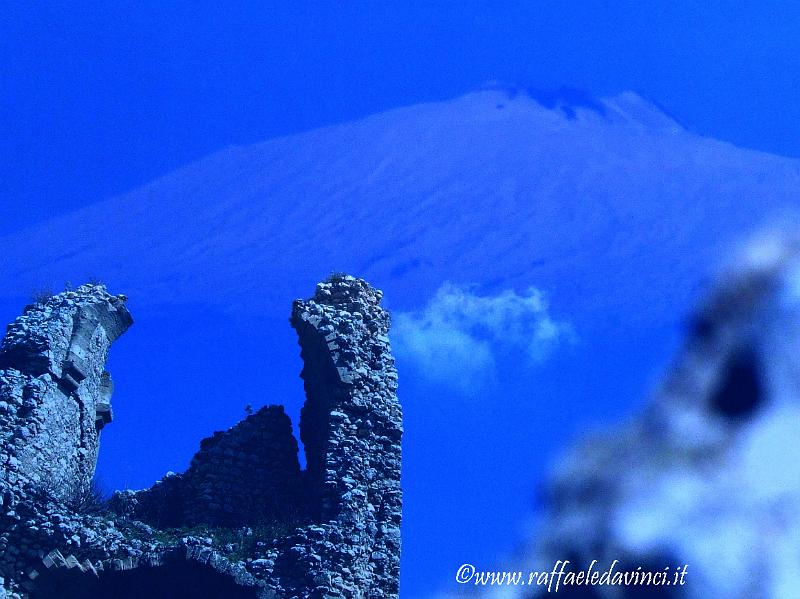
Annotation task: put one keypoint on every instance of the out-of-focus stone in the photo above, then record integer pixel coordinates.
(707, 475)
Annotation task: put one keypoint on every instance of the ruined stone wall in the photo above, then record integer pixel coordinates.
(247, 475)
(351, 427)
(54, 389)
(334, 529)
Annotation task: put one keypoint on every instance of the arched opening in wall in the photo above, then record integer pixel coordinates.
(175, 580)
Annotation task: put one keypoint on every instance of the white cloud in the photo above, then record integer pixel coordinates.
(458, 337)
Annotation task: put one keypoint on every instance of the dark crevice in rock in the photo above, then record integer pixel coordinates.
(740, 391)
(320, 380)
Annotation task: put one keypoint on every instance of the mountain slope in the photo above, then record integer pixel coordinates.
(490, 187)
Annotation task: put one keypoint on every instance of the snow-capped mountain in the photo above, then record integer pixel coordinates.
(492, 187)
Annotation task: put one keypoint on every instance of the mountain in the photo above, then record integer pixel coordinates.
(608, 206)
(489, 187)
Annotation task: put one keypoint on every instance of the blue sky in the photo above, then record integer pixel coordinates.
(99, 97)
(96, 100)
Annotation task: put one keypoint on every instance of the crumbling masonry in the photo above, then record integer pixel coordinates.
(244, 520)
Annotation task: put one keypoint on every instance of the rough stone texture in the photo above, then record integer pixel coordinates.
(54, 391)
(239, 477)
(708, 474)
(351, 426)
(243, 520)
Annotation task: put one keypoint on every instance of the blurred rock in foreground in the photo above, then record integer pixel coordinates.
(709, 474)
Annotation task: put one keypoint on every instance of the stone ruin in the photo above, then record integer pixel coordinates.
(244, 520)
(708, 475)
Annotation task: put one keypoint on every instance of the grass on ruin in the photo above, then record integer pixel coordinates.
(236, 543)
